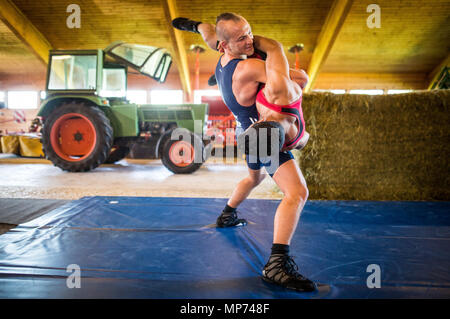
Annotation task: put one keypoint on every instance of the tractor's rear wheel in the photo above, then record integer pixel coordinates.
(77, 137)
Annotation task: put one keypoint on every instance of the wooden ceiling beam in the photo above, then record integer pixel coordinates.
(433, 76)
(19, 24)
(178, 50)
(328, 34)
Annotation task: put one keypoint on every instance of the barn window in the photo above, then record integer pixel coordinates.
(398, 91)
(166, 96)
(198, 94)
(137, 96)
(336, 91)
(368, 92)
(22, 99)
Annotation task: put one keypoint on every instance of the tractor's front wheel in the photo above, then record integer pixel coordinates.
(77, 137)
(184, 154)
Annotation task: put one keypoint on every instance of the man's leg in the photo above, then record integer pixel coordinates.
(245, 186)
(279, 88)
(293, 185)
(228, 217)
(281, 268)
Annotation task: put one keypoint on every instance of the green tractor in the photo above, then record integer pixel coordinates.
(87, 120)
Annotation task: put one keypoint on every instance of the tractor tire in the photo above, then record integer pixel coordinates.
(77, 137)
(117, 153)
(179, 155)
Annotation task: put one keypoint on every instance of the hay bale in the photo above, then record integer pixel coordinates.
(10, 144)
(30, 146)
(382, 147)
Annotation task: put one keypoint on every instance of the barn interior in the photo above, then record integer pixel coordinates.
(376, 106)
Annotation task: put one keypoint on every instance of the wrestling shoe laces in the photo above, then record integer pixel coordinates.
(282, 270)
(230, 219)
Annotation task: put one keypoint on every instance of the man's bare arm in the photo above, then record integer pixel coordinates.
(255, 69)
(208, 33)
(265, 44)
(299, 76)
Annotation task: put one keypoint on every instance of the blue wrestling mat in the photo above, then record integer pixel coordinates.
(134, 247)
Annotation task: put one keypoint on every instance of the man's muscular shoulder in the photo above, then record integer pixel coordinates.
(251, 70)
(246, 79)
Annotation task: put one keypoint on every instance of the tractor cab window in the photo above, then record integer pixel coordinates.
(151, 61)
(114, 83)
(73, 72)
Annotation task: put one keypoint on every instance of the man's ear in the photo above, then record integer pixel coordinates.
(222, 46)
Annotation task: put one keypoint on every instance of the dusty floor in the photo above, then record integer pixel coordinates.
(38, 178)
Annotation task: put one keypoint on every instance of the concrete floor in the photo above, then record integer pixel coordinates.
(38, 178)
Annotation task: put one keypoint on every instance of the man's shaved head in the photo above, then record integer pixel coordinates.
(235, 34)
(221, 30)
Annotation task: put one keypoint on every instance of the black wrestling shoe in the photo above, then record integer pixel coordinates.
(230, 220)
(185, 24)
(282, 270)
(212, 80)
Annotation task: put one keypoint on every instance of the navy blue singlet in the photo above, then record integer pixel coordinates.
(245, 115)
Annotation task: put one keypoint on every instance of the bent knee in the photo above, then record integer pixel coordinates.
(298, 196)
